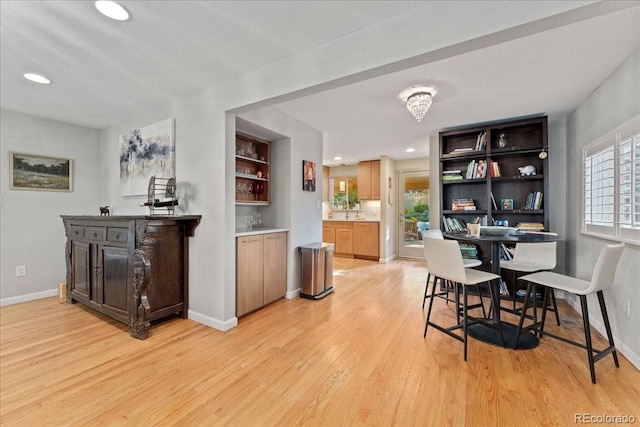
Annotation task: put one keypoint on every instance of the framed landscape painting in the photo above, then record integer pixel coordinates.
(44, 173)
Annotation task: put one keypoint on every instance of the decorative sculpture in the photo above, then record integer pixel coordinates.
(104, 210)
(527, 170)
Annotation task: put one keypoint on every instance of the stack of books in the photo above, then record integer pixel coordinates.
(452, 175)
(530, 226)
(469, 251)
(462, 150)
(463, 205)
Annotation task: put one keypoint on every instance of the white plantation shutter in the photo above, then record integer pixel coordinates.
(611, 185)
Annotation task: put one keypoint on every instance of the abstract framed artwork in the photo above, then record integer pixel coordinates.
(43, 173)
(308, 175)
(146, 152)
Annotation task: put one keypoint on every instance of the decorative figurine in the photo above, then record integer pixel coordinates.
(502, 140)
(104, 210)
(527, 170)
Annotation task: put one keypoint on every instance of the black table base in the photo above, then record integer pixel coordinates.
(492, 336)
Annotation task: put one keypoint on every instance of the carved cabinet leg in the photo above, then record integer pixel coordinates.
(138, 325)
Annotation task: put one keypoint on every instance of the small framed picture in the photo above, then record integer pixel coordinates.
(507, 204)
(38, 172)
(308, 175)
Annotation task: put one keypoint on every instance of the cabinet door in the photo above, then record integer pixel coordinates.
(375, 180)
(113, 281)
(365, 239)
(80, 269)
(275, 266)
(249, 272)
(344, 240)
(325, 184)
(364, 181)
(329, 234)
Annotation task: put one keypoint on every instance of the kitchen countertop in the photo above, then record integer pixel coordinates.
(258, 230)
(351, 220)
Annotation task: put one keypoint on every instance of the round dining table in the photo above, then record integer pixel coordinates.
(509, 330)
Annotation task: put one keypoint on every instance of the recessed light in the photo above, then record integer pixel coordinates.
(410, 150)
(337, 158)
(37, 78)
(113, 10)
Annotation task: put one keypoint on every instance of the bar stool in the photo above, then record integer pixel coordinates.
(468, 263)
(445, 262)
(531, 258)
(602, 278)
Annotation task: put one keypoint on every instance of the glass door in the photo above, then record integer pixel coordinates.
(413, 212)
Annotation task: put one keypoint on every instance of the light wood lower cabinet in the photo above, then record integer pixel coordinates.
(344, 239)
(352, 238)
(261, 271)
(365, 239)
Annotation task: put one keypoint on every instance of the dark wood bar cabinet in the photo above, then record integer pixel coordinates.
(134, 269)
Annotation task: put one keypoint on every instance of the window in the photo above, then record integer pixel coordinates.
(611, 185)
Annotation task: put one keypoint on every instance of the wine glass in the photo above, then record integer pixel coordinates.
(250, 191)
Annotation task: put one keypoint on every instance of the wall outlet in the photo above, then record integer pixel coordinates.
(21, 270)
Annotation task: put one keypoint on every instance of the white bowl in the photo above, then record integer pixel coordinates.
(497, 231)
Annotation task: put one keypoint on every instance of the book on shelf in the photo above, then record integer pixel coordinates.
(495, 169)
(461, 150)
(476, 169)
(452, 175)
(533, 201)
(504, 291)
(481, 141)
(505, 252)
(493, 202)
(530, 226)
(463, 205)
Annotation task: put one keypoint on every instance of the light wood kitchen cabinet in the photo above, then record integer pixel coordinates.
(261, 271)
(369, 180)
(275, 266)
(328, 234)
(366, 239)
(344, 239)
(357, 239)
(326, 183)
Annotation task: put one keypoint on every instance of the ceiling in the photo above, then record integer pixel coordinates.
(104, 71)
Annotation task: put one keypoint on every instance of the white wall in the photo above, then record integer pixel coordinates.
(614, 102)
(30, 225)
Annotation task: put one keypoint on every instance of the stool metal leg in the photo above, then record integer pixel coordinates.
(587, 335)
(607, 326)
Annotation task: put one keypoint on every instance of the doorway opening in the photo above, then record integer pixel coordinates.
(413, 212)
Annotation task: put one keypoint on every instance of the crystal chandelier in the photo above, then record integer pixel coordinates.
(418, 104)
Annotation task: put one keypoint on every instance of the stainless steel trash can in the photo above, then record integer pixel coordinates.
(317, 270)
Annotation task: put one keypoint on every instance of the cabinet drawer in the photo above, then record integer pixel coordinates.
(95, 233)
(76, 232)
(115, 234)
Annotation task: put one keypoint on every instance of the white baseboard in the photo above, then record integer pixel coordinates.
(29, 297)
(386, 260)
(292, 294)
(599, 326)
(220, 325)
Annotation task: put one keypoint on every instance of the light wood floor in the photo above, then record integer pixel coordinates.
(355, 357)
